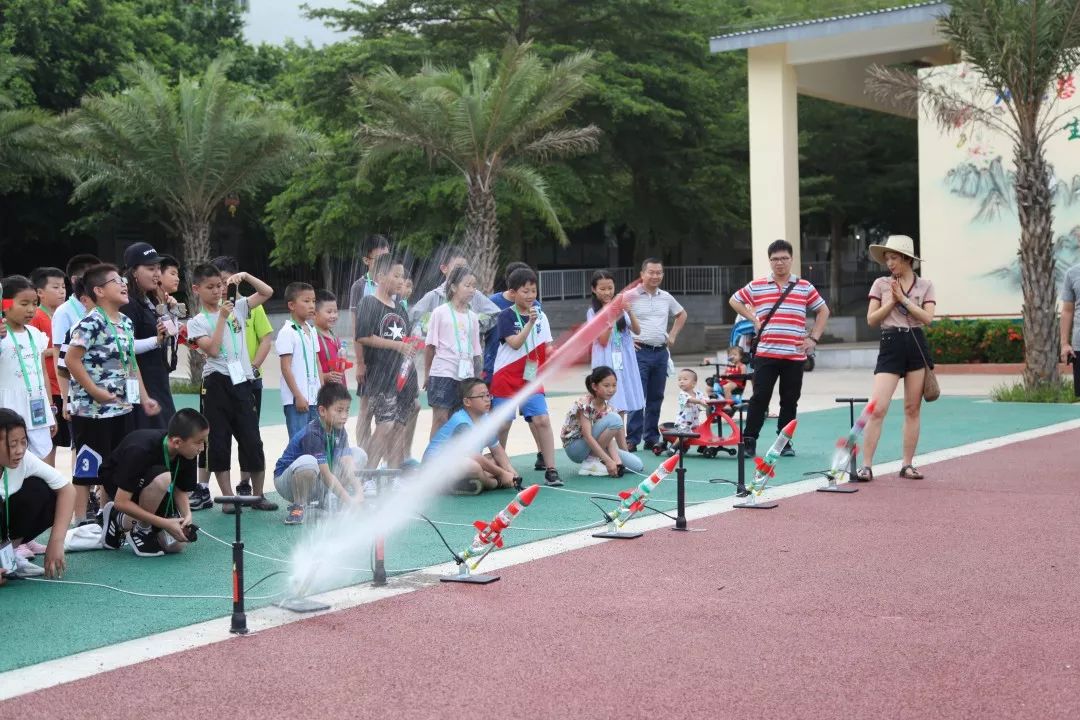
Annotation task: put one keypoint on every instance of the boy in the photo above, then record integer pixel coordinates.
(482, 472)
(217, 329)
(382, 327)
(691, 400)
(298, 351)
(524, 334)
(332, 360)
(148, 478)
(101, 360)
(320, 451)
(374, 247)
(65, 317)
(420, 313)
(51, 292)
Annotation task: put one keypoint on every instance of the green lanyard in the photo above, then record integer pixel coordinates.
(616, 336)
(76, 307)
(173, 471)
(127, 358)
(22, 363)
(7, 509)
(303, 345)
(468, 327)
(330, 449)
(232, 336)
(522, 322)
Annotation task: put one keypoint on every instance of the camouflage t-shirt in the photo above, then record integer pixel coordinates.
(103, 363)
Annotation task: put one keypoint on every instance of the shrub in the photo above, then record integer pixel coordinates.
(976, 341)
(1003, 342)
(1062, 392)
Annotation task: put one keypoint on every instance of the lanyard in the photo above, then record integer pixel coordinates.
(232, 335)
(173, 472)
(616, 336)
(303, 345)
(7, 509)
(127, 359)
(468, 328)
(522, 322)
(330, 449)
(76, 307)
(22, 363)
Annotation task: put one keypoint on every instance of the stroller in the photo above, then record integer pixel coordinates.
(742, 335)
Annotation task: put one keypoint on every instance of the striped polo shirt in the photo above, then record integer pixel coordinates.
(781, 337)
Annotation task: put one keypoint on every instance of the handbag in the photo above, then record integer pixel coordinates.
(931, 391)
(759, 333)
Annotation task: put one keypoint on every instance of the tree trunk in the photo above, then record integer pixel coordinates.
(327, 272)
(195, 235)
(836, 255)
(482, 233)
(1036, 210)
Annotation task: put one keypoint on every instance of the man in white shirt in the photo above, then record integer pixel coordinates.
(654, 308)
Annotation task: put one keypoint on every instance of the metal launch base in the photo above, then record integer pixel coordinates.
(464, 576)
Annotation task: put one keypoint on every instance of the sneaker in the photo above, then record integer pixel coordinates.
(144, 542)
(113, 536)
(518, 483)
(92, 505)
(467, 486)
(539, 464)
(295, 515)
(243, 488)
(370, 489)
(788, 451)
(200, 499)
(648, 446)
(263, 504)
(36, 547)
(552, 479)
(592, 467)
(749, 446)
(631, 448)
(24, 568)
(24, 552)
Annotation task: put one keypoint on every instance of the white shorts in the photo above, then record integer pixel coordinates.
(40, 440)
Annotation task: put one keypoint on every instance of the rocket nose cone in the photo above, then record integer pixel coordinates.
(526, 496)
(789, 429)
(670, 463)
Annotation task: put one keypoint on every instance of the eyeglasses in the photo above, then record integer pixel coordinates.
(478, 397)
(780, 259)
(121, 281)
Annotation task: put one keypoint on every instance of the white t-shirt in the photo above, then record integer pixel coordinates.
(33, 466)
(64, 318)
(455, 337)
(13, 393)
(233, 346)
(653, 313)
(303, 346)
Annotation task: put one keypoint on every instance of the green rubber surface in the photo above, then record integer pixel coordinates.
(71, 618)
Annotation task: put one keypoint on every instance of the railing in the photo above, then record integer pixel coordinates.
(678, 280)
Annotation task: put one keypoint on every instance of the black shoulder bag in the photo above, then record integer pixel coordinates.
(779, 301)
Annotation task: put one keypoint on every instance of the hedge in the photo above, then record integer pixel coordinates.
(976, 341)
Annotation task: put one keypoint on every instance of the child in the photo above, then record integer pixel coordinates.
(374, 247)
(691, 400)
(615, 347)
(24, 383)
(525, 335)
(735, 366)
(406, 291)
(298, 351)
(453, 351)
(320, 451)
(101, 361)
(332, 361)
(227, 399)
(65, 317)
(143, 273)
(382, 327)
(49, 283)
(482, 472)
(452, 258)
(36, 498)
(593, 432)
(148, 478)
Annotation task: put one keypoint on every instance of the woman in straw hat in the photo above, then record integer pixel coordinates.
(901, 303)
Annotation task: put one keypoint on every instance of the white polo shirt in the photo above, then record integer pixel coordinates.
(653, 313)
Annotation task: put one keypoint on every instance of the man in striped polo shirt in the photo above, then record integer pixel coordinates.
(783, 341)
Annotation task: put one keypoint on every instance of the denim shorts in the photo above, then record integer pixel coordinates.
(444, 392)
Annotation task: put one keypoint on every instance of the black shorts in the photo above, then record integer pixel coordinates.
(108, 484)
(230, 410)
(63, 427)
(899, 352)
(92, 440)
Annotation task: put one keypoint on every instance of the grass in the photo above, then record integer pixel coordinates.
(184, 387)
(1060, 392)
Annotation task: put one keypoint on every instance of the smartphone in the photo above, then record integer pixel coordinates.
(230, 293)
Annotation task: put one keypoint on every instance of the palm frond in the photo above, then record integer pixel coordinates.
(531, 188)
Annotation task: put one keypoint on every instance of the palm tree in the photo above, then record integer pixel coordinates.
(27, 137)
(186, 147)
(494, 127)
(1021, 49)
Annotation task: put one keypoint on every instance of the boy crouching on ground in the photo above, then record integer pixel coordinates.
(148, 477)
(320, 452)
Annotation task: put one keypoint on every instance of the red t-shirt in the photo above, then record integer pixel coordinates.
(43, 322)
(329, 352)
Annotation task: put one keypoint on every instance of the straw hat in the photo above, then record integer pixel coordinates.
(901, 244)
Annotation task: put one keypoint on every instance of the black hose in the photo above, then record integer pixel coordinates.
(457, 558)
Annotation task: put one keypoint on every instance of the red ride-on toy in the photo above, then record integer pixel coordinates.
(710, 441)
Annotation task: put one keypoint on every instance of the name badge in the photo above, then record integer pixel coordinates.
(616, 360)
(7, 557)
(312, 389)
(132, 391)
(464, 369)
(38, 415)
(531, 367)
(236, 372)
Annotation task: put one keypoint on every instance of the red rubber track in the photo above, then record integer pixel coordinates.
(951, 597)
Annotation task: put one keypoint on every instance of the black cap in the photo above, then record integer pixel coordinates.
(141, 253)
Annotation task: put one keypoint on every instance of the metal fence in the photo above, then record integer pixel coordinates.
(678, 280)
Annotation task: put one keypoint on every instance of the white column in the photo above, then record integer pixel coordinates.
(774, 153)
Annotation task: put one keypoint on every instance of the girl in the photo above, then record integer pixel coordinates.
(24, 384)
(151, 336)
(593, 433)
(615, 347)
(901, 303)
(453, 352)
(331, 353)
(736, 365)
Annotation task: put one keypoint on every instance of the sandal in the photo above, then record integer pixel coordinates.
(908, 472)
(865, 474)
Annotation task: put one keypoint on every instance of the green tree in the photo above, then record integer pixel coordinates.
(184, 147)
(494, 127)
(1020, 49)
(27, 139)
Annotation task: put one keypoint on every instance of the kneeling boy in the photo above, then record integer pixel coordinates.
(483, 472)
(320, 451)
(148, 477)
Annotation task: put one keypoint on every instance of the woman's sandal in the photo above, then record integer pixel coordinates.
(865, 474)
(908, 472)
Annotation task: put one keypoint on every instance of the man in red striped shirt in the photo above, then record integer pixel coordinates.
(783, 341)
